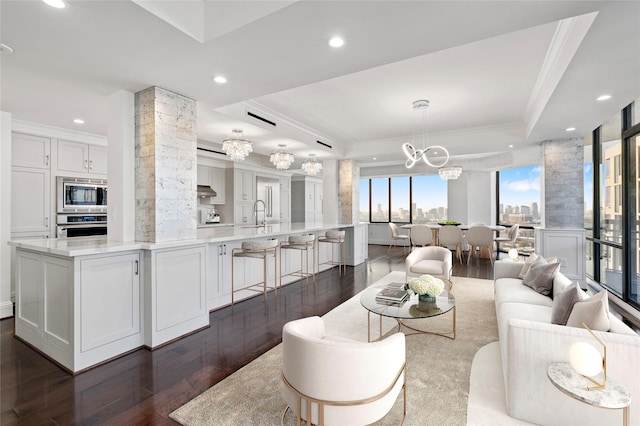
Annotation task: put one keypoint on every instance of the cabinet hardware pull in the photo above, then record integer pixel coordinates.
(219, 249)
(46, 221)
(90, 164)
(136, 262)
(86, 164)
(46, 160)
(225, 249)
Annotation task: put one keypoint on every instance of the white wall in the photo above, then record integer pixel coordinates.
(6, 306)
(330, 173)
(472, 198)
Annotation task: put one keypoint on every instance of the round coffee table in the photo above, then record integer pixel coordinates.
(411, 309)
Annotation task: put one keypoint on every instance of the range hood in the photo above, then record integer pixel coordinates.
(206, 191)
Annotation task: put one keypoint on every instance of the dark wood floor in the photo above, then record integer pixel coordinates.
(145, 386)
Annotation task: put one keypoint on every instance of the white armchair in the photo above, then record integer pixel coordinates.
(435, 261)
(340, 381)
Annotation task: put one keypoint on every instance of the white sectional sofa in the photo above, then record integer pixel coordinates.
(529, 343)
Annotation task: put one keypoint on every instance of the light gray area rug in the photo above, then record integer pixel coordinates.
(438, 368)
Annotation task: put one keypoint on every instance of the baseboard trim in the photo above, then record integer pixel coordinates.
(6, 309)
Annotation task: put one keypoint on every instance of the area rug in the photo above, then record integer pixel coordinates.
(438, 368)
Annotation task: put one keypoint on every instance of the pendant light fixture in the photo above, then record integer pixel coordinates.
(451, 172)
(281, 158)
(311, 166)
(236, 146)
(414, 155)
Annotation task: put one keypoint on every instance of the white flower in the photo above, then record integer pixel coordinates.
(427, 284)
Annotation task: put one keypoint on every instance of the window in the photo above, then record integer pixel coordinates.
(429, 199)
(380, 200)
(400, 199)
(610, 156)
(519, 191)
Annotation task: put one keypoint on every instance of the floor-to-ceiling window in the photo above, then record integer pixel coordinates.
(403, 199)
(613, 225)
(519, 203)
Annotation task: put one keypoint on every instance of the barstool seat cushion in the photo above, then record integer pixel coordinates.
(259, 245)
(334, 236)
(301, 239)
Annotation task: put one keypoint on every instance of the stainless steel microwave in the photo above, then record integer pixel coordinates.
(77, 195)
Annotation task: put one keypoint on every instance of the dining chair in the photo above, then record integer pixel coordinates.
(451, 237)
(480, 237)
(396, 235)
(421, 235)
(511, 237)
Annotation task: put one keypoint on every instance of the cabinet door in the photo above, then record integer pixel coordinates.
(217, 182)
(73, 157)
(317, 194)
(243, 214)
(30, 151)
(29, 294)
(203, 175)
(30, 199)
(110, 289)
(285, 184)
(244, 185)
(58, 301)
(97, 159)
(285, 206)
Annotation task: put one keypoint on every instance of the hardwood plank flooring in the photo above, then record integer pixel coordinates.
(144, 386)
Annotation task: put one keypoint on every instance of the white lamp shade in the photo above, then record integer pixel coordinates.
(585, 359)
(513, 254)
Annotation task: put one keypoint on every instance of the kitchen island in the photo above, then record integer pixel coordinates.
(82, 301)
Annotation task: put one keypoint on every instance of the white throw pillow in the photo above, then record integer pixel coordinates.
(593, 312)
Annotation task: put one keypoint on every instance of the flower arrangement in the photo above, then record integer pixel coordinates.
(426, 285)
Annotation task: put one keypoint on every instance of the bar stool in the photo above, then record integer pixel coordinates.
(334, 238)
(262, 249)
(303, 243)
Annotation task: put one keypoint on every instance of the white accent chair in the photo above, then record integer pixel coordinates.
(336, 381)
(451, 236)
(396, 235)
(511, 237)
(421, 235)
(480, 237)
(435, 261)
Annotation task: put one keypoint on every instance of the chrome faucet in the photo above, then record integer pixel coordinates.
(264, 212)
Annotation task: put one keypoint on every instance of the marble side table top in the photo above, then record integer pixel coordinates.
(569, 381)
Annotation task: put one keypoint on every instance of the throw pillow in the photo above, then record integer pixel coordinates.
(594, 312)
(563, 304)
(527, 264)
(540, 276)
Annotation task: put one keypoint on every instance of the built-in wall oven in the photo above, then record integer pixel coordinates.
(81, 207)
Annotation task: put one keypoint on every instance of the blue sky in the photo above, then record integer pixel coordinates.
(428, 191)
(521, 186)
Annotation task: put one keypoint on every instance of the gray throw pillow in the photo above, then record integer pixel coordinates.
(594, 312)
(527, 264)
(563, 304)
(540, 277)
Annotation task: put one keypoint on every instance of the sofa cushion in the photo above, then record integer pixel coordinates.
(512, 290)
(563, 304)
(540, 277)
(527, 264)
(427, 267)
(593, 312)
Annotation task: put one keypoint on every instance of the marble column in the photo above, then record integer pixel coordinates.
(348, 192)
(166, 168)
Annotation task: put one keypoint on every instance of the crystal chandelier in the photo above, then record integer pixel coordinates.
(414, 155)
(451, 172)
(281, 158)
(311, 166)
(236, 146)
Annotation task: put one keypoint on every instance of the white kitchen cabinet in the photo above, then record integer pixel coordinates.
(30, 201)
(285, 200)
(30, 151)
(219, 274)
(213, 177)
(244, 185)
(243, 214)
(79, 311)
(306, 200)
(81, 158)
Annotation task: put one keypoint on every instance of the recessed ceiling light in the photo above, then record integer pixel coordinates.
(511, 146)
(336, 42)
(603, 97)
(374, 158)
(5, 49)
(58, 4)
(78, 121)
(220, 79)
(570, 129)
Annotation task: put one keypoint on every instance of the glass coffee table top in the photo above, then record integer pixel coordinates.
(411, 309)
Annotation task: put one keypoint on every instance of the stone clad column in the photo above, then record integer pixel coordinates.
(348, 192)
(166, 170)
(562, 233)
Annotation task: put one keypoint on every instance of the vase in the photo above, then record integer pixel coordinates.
(426, 298)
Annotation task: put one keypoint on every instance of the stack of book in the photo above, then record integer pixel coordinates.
(393, 294)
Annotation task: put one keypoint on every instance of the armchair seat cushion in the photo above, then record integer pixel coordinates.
(428, 267)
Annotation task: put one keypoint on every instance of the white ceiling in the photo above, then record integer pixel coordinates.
(496, 73)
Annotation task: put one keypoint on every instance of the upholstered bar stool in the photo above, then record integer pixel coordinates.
(336, 239)
(261, 249)
(304, 243)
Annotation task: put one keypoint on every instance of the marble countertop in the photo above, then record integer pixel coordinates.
(82, 246)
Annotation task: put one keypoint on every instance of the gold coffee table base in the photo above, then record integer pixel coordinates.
(448, 334)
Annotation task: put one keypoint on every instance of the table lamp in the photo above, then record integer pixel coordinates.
(587, 361)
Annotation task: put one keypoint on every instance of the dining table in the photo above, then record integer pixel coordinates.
(436, 226)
